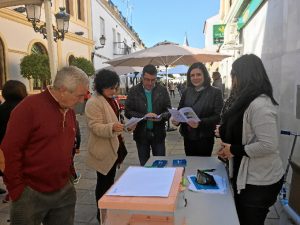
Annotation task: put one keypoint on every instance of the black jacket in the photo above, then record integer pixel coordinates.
(136, 106)
(5, 109)
(207, 104)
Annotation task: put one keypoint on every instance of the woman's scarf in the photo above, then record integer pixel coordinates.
(112, 102)
(232, 114)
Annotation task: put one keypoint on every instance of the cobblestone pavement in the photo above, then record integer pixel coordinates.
(86, 205)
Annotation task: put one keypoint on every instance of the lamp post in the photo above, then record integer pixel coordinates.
(50, 40)
(33, 11)
(49, 32)
(62, 21)
(102, 40)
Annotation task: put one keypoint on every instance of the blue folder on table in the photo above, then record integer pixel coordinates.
(159, 163)
(179, 162)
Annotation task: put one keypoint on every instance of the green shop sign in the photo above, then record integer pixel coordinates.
(248, 13)
(218, 34)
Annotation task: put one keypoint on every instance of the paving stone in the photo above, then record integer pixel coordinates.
(84, 213)
(3, 218)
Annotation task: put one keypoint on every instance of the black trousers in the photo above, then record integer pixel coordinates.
(200, 147)
(254, 201)
(104, 182)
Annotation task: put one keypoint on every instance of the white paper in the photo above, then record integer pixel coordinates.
(130, 123)
(177, 116)
(221, 183)
(141, 181)
(184, 114)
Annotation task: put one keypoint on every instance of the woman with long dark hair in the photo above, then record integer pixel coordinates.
(207, 102)
(250, 137)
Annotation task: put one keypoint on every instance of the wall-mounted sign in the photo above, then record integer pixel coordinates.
(248, 13)
(218, 34)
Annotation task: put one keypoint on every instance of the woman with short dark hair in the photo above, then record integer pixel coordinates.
(207, 102)
(13, 92)
(102, 113)
(250, 137)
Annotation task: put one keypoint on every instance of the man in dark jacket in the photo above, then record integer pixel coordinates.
(151, 101)
(217, 81)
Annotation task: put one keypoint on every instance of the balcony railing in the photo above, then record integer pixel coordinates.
(121, 48)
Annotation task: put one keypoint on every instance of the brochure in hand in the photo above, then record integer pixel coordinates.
(134, 120)
(152, 117)
(184, 114)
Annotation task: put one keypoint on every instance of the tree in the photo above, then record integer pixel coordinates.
(36, 66)
(84, 64)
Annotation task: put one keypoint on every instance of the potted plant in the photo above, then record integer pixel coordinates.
(84, 64)
(36, 66)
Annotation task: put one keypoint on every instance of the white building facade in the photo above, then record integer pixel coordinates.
(89, 20)
(120, 38)
(18, 39)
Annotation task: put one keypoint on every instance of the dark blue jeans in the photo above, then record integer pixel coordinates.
(143, 147)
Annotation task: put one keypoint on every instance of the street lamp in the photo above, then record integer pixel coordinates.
(48, 27)
(62, 21)
(33, 13)
(102, 40)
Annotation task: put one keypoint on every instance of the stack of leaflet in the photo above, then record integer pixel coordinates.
(220, 188)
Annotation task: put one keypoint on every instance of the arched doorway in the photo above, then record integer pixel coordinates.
(38, 48)
(2, 65)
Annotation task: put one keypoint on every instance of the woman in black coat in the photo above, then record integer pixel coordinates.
(207, 103)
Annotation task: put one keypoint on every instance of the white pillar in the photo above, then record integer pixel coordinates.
(50, 40)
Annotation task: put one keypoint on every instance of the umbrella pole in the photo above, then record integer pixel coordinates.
(169, 128)
(167, 80)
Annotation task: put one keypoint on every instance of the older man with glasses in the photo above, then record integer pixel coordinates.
(150, 100)
(38, 147)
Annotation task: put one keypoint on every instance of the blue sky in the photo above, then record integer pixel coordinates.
(159, 20)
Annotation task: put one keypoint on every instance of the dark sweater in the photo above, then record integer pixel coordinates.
(5, 110)
(38, 146)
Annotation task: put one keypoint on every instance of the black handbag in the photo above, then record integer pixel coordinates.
(122, 152)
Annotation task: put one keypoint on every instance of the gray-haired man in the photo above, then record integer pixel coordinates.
(37, 148)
